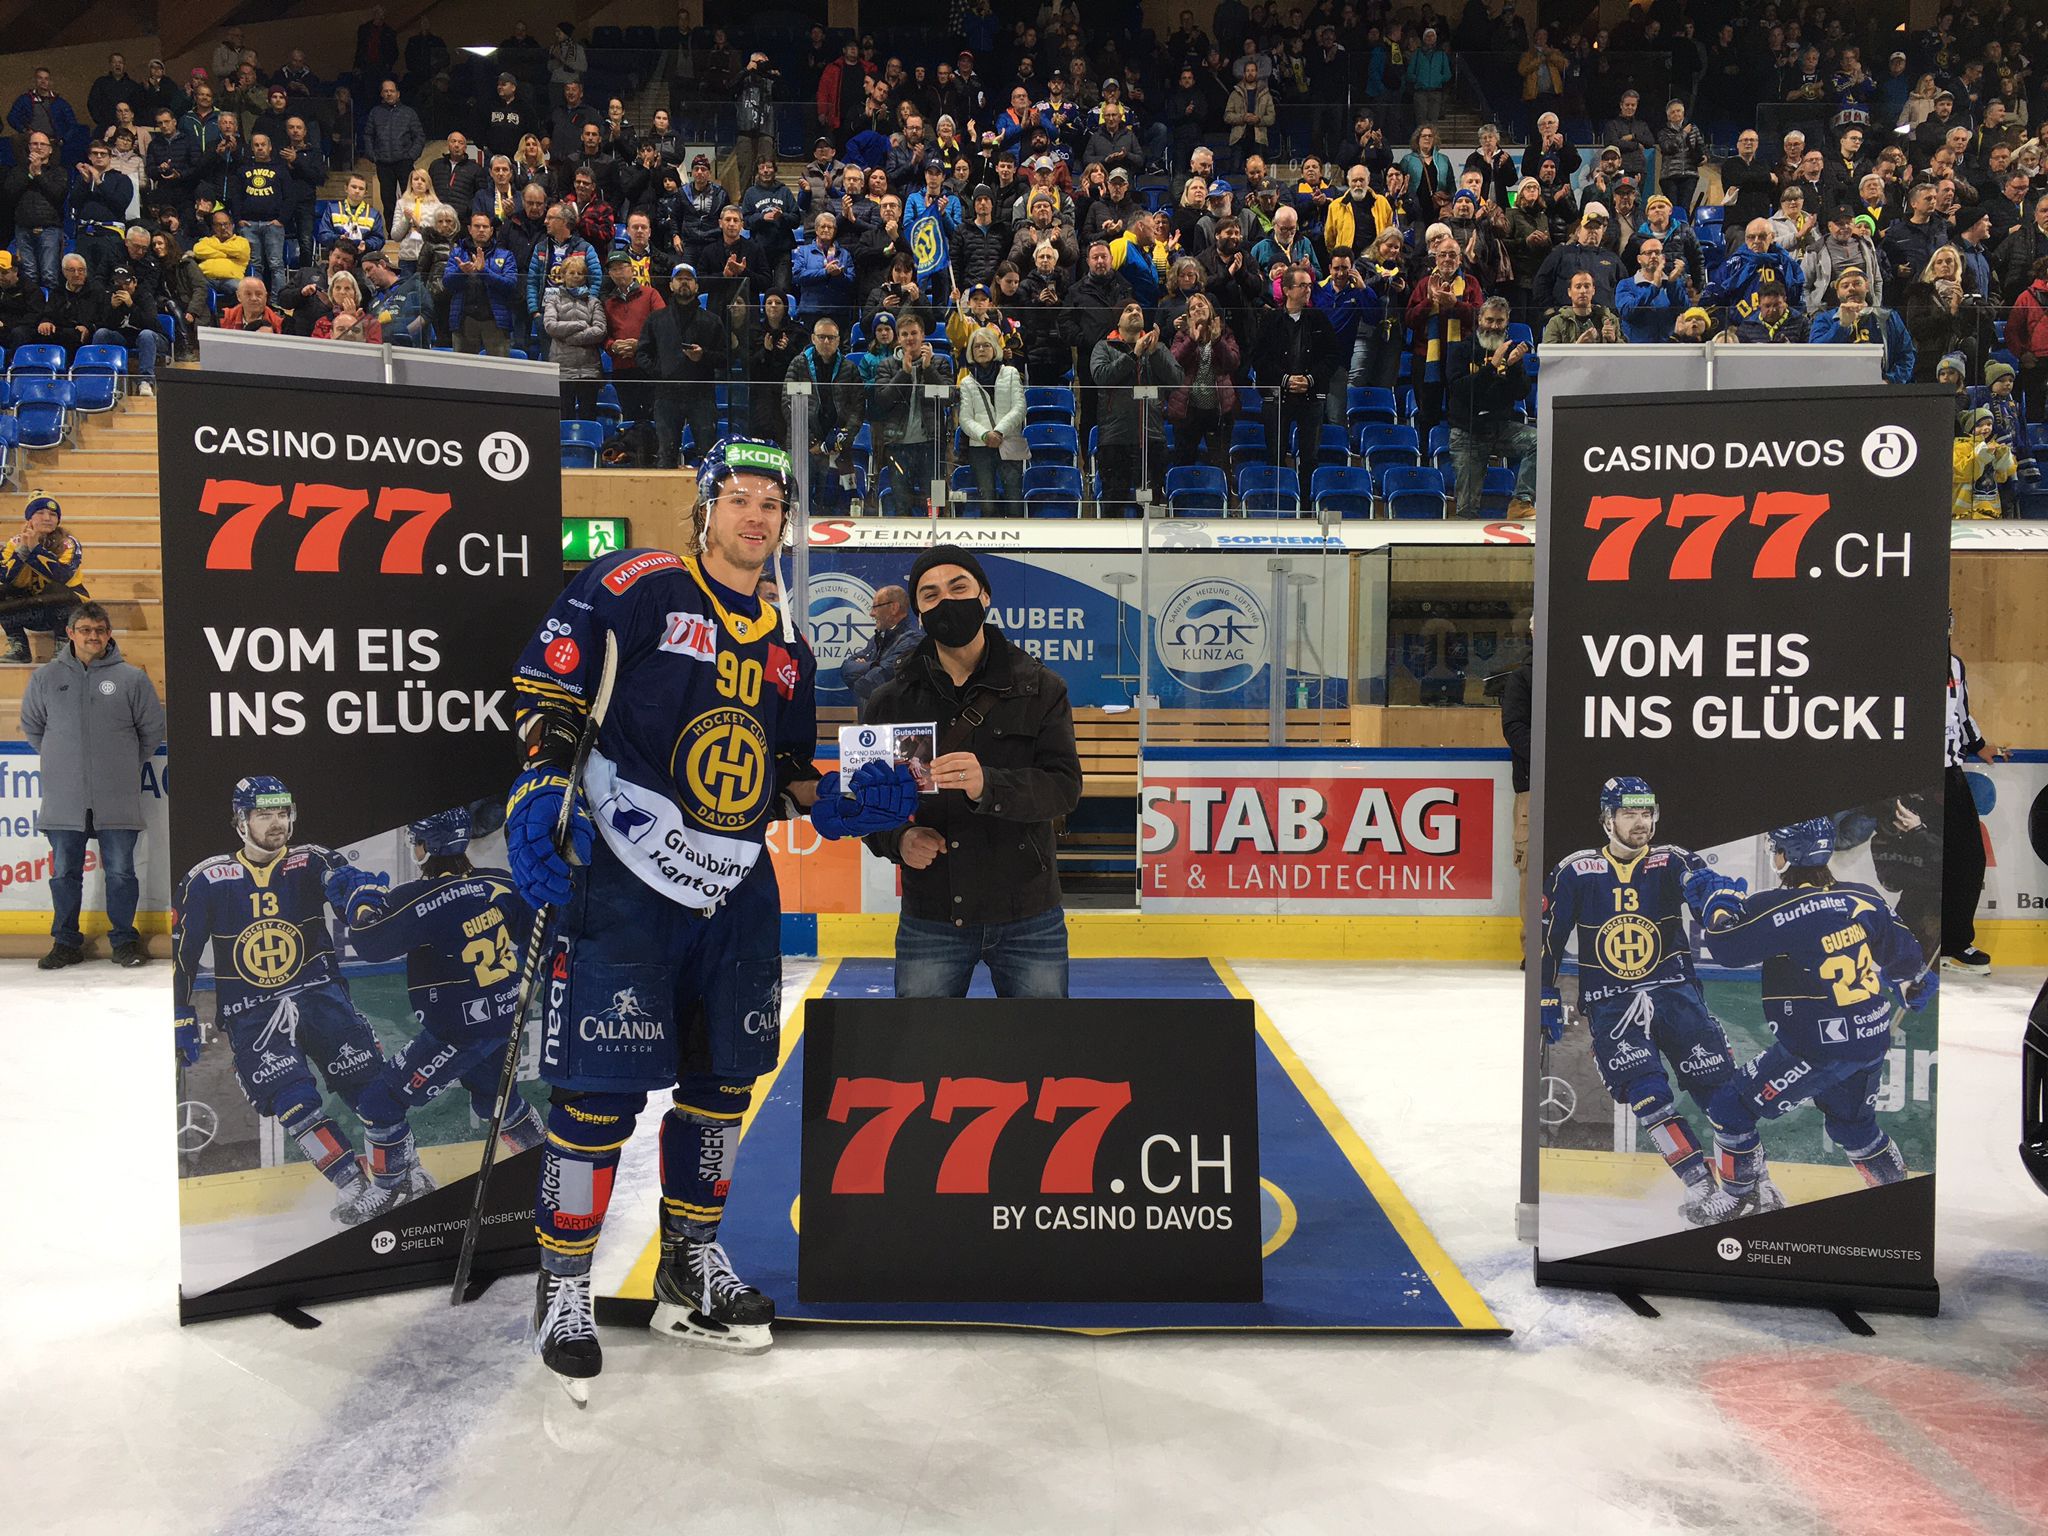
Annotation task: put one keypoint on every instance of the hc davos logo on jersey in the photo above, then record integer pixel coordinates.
(837, 623)
(1889, 452)
(1213, 636)
(503, 456)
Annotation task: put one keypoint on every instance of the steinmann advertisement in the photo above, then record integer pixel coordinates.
(1738, 818)
(349, 575)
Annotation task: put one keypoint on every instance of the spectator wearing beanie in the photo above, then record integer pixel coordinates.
(1855, 319)
(1996, 395)
(1981, 466)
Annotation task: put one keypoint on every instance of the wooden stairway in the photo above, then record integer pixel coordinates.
(107, 484)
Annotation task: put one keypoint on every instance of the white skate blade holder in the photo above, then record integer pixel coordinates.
(686, 1325)
(577, 1388)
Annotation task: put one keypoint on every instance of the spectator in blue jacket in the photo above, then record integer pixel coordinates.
(1354, 308)
(895, 636)
(39, 109)
(823, 274)
(483, 280)
(354, 220)
(560, 243)
(394, 139)
(99, 201)
(305, 172)
(1650, 301)
(1737, 279)
(1855, 319)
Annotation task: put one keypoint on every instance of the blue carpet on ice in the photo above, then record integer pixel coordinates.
(1344, 1266)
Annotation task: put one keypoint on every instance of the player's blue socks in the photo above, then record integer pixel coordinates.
(1739, 1161)
(585, 1134)
(698, 1137)
(393, 1154)
(322, 1141)
(1674, 1139)
(521, 1130)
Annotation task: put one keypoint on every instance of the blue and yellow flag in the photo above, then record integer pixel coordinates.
(928, 244)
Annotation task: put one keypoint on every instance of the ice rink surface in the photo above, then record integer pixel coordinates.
(404, 1415)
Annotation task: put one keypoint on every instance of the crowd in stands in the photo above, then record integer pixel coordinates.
(1262, 213)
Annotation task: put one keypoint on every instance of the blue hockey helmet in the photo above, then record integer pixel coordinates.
(749, 455)
(1805, 843)
(443, 834)
(261, 792)
(1626, 792)
(42, 502)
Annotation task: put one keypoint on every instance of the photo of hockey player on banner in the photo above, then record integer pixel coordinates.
(348, 1006)
(1783, 996)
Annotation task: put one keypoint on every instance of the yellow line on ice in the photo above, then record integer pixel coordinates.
(1631, 1175)
(639, 1281)
(1466, 1304)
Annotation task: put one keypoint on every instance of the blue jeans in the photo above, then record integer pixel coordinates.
(1515, 441)
(266, 252)
(37, 257)
(1027, 958)
(142, 348)
(998, 482)
(67, 882)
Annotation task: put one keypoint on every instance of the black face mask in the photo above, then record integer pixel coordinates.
(955, 621)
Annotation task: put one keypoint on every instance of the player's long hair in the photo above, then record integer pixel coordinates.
(1819, 876)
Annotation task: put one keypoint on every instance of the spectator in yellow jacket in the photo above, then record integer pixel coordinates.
(1359, 217)
(1981, 464)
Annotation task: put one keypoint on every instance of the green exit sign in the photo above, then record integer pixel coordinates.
(589, 538)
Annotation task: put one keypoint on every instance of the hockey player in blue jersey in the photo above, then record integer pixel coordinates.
(667, 972)
(1834, 956)
(280, 999)
(1638, 992)
(461, 931)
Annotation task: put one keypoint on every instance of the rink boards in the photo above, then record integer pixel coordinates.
(1343, 1248)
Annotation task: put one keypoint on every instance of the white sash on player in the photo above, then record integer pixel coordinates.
(689, 865)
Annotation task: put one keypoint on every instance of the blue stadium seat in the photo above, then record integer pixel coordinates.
(38, 360)
(1341, 491)
(1052, 490)
(588, 433)
(10, 434)
(1439, 442)
(1197, 490)
(962, 491)
(1382, 446)
(579, 456)
(1048, 404)
(1368, 404)
(1414, 492)
(1498, 490)
(1332, 447)
(42, 408)
(1268, 490)
(1248, 441)
(1052, 443)
(97, 377)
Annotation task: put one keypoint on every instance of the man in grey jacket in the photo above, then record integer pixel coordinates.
(96, 721)
(896, 636)
(394, 139)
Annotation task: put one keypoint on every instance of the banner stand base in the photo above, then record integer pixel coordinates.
(285, 1312)
(288, 1298)
(1919, 1301)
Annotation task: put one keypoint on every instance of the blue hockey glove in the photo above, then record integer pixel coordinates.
(1920, 991)
(1714, 896)
(346, 888)
(883, 797)
(539, 868)
(187, 1037)
(1551, 1015)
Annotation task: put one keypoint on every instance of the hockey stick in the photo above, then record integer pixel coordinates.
(530, 968)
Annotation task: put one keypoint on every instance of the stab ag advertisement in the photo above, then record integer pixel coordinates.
(1078, 1150)
(1738, 821)
(343, 607)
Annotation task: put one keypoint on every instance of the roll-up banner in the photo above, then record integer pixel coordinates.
(350, 571)
(1741, 659)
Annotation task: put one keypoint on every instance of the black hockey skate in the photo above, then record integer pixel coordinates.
(565, 1333)
(699, 1300)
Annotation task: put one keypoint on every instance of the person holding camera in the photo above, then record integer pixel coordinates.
(1130, 355)
(980, 871)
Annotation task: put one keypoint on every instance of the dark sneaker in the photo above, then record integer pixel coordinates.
(130, 955)
(60, 955)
